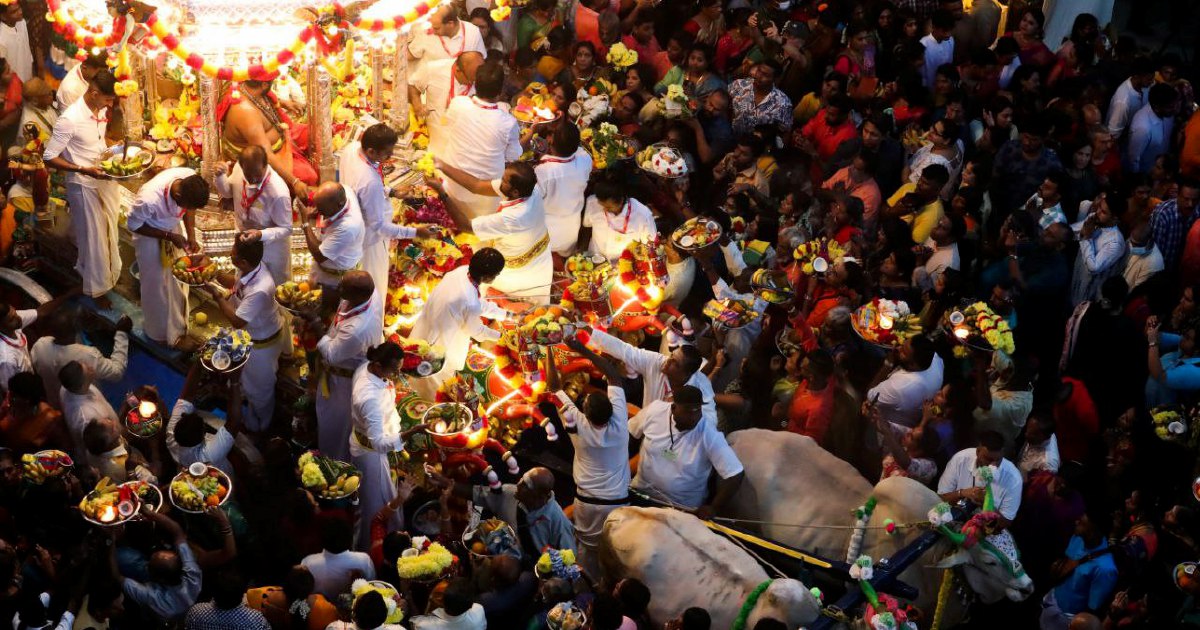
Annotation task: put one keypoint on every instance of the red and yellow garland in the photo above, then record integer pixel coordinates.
(642, 270)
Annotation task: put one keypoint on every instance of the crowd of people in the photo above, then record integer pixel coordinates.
(946, 162)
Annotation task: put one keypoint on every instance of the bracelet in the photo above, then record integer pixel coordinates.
(1152, 345)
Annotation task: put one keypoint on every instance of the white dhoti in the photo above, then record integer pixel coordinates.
(471, 204)
(375, 489)
(530, 281)
(164, 299)
(277, 256)
(94, 210)
(589, 525)
(333, 415)
(258, 379)
(376, 261)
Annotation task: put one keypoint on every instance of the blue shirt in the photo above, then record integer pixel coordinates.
(1091, 584)
(775, 109)
(1180, 375)
(1170, 230)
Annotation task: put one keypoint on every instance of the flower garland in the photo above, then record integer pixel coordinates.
(264, 71)
(979, 321)
(82, 35)
(862, 516)
(391, 597)
(639, 271)
(621, 57)
(883, 611)
(943, 597)
(739, 622)
(376, 25)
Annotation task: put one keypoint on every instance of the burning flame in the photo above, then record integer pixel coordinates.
(440, 427)
(885, 322)
(108, 515)
(147, 409)
(962, 332)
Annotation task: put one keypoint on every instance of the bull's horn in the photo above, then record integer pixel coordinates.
(958, 538)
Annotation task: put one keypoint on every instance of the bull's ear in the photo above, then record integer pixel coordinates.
(953, 560)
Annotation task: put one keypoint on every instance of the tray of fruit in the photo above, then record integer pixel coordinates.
(118, 163)
(546, 326)
(194, 270)
(535, 105)
(420, 357)
(326, 477)
(885, 323)
(226, 351)
(730, 313)
(298, 297)
(772, 286)
(696, 234)
(42, 465)
(588, 266)
(453, 427)
(425, 560)
(143, 424)
(491, 537)
(200, 487)
(110, 504)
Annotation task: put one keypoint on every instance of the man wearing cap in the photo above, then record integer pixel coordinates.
(361, 170)
(38, 108)
(75, 146)
(262, 208)
(251, 306)
(164, 208)
(680, 449)
(339, 248)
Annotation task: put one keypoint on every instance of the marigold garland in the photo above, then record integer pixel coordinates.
(636, 271)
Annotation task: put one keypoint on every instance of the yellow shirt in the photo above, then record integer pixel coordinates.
(925, 219)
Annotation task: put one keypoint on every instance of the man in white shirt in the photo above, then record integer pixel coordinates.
(165, 206)
(37, 107)
(1145, 259)
(680, 448)
(82, 401)
(262, 208)
(335, 568)
(446, 38)
(939, 45)
(93, 198)
(960, 479)
(563, 177)
(1040, 450)
(14, 39)
(189, 436)
(1150, 132)
(599, 431)
(361, 170)
(1130, 97)
(518, 230)
(76, 82)
(339, 249)
(458, 612)
(939, 252)
(481, 137)
(917, 378)
(661, 374)
(453, 314)
(435, 84)
(357, 326)
(62, 346)
(252, 307)
(14, 347)
(612, 219)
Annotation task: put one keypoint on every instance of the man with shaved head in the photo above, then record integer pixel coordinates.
(357, 326)
(339, 246)
(437, 82)
(446, 38)
(262, 208)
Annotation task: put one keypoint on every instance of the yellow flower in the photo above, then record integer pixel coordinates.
(993, 338)
(501, 14)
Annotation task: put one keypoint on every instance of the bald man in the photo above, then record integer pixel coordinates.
(262, 208)
(357, 326)
(338, 247)
(446, 38)
(435, 84)
(528, 506)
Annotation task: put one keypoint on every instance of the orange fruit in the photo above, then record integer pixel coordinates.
(303, 287)
(213, 500)
(479, 548)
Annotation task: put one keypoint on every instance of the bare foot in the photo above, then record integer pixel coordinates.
(186, 344)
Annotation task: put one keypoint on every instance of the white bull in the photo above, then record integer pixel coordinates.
(685, 564)
(791, 480)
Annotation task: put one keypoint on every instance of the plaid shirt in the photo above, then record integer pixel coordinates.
(776, 109)
(1170, 231)
(1019, 178)
(207, 616)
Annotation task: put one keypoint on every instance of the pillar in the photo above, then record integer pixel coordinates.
(320, 121)
(210, 159)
